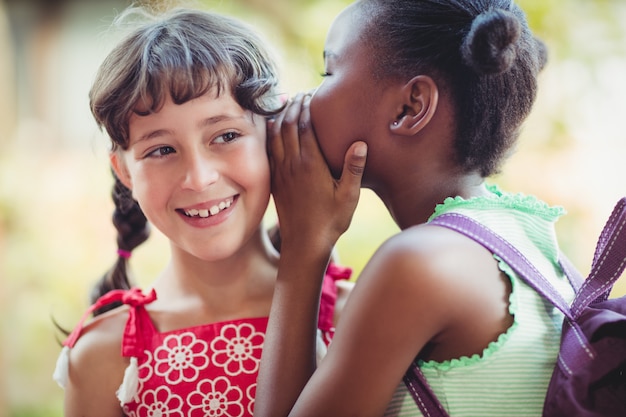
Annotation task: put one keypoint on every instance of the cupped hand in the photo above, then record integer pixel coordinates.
(314, 209)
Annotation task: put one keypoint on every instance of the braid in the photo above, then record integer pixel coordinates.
(132, 230)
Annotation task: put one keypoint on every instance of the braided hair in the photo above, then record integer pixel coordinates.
(132, 230)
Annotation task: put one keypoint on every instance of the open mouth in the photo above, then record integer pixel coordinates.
(211, 211)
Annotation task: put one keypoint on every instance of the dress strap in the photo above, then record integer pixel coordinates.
(328, 299)
(133, 297)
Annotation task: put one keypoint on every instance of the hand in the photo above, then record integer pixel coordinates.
(313, 208)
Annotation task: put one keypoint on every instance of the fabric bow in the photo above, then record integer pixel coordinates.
(133, 297)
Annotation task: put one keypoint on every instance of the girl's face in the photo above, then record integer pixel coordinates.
(343, 107)
(200, 173)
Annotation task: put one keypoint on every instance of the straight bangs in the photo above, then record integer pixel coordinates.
(184, 56)
(178, 76)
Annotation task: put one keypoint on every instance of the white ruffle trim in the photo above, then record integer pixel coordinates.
(130, 384)
(320, 347)
(62, 368)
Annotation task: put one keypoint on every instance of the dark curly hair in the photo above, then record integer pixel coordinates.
(481, 52)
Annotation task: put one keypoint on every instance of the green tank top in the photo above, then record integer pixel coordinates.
(511, 376)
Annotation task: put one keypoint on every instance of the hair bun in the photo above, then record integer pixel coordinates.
(490, 47)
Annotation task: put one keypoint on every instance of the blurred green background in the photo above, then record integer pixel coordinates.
(55, 232)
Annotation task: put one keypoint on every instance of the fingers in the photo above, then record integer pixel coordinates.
(308, 141)
(283, 133)
(353, 167)
(290, 126)
(311, 204)
(275, 147)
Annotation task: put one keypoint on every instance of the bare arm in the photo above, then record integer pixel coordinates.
(314, 210)
(96, 371)
(418, 294)
(389, 316)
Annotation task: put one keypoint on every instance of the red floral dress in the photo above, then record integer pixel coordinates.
(207, 370)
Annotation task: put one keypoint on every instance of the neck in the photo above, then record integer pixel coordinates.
(413, 201)
(240, 285)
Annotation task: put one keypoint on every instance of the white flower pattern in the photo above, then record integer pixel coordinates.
(207, 371)
(238, 349)
(251, 395)
(181, 358)
(161, 402)
(216, 398)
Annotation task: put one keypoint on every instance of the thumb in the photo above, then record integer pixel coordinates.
(353, 167)
(354, 162)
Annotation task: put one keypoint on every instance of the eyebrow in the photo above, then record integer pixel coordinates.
(151, 135)
(217, 119)
(203, 123)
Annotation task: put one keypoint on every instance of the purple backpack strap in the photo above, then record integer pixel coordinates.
(414, 378)
(609, 261)
(507, 252)
(422, 394)
(608, 264)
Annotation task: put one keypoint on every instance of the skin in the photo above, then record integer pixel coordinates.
(443, 286)
(188, 156)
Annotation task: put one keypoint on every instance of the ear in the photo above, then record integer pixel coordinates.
(419, 101)
(120, 169)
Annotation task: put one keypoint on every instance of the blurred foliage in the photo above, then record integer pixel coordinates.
(55, 234)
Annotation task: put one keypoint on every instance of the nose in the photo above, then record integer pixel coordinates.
(200, 172)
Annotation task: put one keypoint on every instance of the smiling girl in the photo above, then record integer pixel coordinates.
(184, 100)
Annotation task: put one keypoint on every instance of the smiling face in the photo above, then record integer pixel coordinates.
(345, 106)
(200, 173)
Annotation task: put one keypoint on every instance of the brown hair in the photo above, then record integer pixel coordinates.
(184, 54)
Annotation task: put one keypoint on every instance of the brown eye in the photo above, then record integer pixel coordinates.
(227, 137)
(161, 151)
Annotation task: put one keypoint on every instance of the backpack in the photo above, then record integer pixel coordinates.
(589, 378)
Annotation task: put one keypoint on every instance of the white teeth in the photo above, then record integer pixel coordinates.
(211, 211)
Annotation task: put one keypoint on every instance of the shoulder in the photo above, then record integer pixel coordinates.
(102, 334)
(425, 271)
(421, 293)
(427, 254)
(401, 302)
(443, 283)
(96, 366)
